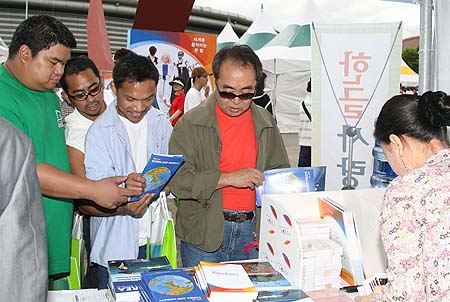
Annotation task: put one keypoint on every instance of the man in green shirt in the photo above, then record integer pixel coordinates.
(38, 51)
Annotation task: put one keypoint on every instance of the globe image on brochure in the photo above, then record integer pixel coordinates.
(156, 177)
(171, 285)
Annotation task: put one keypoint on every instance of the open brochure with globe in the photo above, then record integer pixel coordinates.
(159, 170)
(173, 285)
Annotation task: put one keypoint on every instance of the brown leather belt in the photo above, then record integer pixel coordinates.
(238, 217)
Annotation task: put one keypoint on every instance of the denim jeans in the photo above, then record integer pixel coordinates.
(236, 236)
(304, 156)
(103, 275)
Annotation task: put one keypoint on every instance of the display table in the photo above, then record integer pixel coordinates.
(85, 295)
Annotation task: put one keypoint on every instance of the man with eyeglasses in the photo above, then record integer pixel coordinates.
(227, 142)
(120, 142)
(194, 95)
(38, 52)
(83, 90)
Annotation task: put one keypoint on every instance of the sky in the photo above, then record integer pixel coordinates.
(284, 12)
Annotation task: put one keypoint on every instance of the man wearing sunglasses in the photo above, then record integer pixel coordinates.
(227, 142)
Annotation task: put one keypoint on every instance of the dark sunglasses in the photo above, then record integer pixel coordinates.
(231, 95)
(83, 96)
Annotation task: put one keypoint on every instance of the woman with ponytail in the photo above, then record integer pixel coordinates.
(415, 222)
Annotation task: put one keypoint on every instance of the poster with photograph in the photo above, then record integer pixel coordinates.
(175, 54)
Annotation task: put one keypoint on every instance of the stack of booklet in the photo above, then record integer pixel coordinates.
(125, 277)
(224, 282)
(321, 258)
(271, 285)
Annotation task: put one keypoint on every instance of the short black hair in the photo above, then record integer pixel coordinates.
(136, 68)
(421, 117)
(152, 50)
(76, 65)
(240, 54)
(40, 32)
(120, 53)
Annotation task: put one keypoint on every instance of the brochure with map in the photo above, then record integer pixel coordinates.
(125, 276)
(159, 170)
(173, 285)
(286, 181)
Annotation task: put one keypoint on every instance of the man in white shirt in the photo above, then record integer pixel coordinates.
(82, 89)
(194, 96)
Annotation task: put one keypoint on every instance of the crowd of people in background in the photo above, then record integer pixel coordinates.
(93, 154)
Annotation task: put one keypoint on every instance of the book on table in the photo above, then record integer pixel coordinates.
(172, 286)
(270, 284)
(291, 180)
(159, 170)
(345, 232)
(125, 276)
(226, 282)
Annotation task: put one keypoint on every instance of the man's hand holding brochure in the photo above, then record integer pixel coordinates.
(159, 170)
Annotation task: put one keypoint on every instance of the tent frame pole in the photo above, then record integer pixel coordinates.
(426, 50)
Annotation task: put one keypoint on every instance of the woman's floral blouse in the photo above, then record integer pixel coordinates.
(415, 228)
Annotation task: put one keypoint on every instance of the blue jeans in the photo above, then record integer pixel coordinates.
(236, 236)
(304, 156)
(103, 275)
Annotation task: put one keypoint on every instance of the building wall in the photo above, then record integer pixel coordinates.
(119, 15)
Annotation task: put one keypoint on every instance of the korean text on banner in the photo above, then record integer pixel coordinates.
(355, 71)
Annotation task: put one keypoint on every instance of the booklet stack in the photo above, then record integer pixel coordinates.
(171, 286)
(224, 282)
(125, 276)
(313, 228)
(321, 258)
(321, 264)
(270, 284)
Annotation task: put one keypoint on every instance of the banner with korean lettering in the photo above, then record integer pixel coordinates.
(177, 54)
(355, 70)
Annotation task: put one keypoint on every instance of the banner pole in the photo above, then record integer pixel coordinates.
(351, 133)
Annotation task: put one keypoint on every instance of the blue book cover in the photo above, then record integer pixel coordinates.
(173, 285)
(159, 170)
(285, 181)
(125, 276)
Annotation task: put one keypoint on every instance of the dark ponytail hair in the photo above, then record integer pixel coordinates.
(421, 117)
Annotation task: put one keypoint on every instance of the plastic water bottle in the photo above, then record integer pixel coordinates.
(382, 171)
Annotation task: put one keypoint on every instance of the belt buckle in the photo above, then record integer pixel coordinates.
(240, 217)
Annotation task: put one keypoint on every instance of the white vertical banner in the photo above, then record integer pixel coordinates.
(355, 70)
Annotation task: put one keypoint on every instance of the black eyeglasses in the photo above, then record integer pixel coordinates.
(231, 95)
(83, 96)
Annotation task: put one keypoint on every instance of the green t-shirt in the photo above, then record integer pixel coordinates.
(38, 115)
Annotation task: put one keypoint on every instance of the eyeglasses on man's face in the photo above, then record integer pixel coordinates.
(232, 96)
(83, 96)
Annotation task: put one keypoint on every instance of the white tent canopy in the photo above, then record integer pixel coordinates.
(286, 60)
(408, 77)
(259, 33)
(226, 37)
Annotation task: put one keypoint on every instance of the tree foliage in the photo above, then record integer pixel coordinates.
(411, 57)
